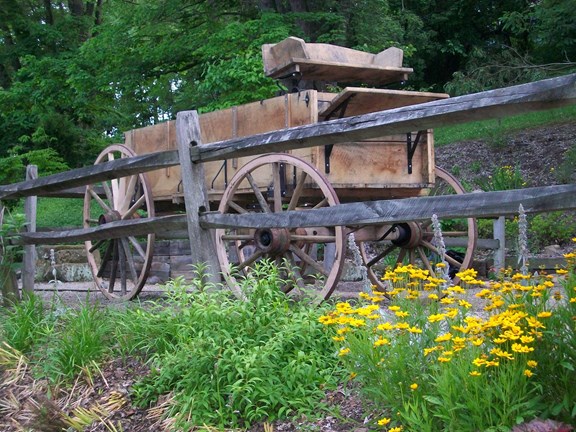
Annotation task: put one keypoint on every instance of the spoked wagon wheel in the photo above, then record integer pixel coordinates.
(412, 242)
(119, 266)
(308, 258)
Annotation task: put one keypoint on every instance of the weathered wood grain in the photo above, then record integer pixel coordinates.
(132, 227)
(498, 103)
(91, 174)
(483, 204)
(202, 246)
(29, 259)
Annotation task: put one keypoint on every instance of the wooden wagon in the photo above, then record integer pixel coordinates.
(397, 166)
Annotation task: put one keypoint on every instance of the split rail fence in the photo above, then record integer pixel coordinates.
(198, 221)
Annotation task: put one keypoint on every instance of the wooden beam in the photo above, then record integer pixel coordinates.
(202, 246)
(29, 259)
(539, 95)
(482, 204)
(90, 174)
(133, 227)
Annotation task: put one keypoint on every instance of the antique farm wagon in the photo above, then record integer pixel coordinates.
(387, 167)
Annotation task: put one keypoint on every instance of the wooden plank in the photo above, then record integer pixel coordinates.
(91, 174)
(133, 227)
(484, 204)
(8, 280)
(354, 101)
(325, 62)
(534, 96)
(203, 250)
(29, 259)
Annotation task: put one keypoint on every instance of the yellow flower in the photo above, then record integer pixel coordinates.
(338, 338)
(444, 359)
(385, 326)
(475, 373)
(414, 329)
(352, 375)
(381, 341)
(441, 265)
(443, 338)
(429, 350)
(344, 351)
(573, 300)
(545, 314)
(477, 341)
(395, 429)
(433, 296)
(532, 363)
(528, 373)
(526, 339)
(394, 308)
(384, 421)
(519, 348)
(479, 362)
(413, 386)
(401, 314)
(435, 318)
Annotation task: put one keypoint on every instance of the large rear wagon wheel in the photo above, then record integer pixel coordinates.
(119, 266)
(413, 241)
(309, 258)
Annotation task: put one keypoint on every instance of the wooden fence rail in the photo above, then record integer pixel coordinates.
(535, 96)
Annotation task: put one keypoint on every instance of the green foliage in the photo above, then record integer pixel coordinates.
(10, 225)
(501, 127)
(551, 228)
(80, 338)
(25, 323)
(437, 366)
(504, 178)
(566, 172)
(230, 363)
(13, 167)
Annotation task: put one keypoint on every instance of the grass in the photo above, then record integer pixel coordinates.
(492, 129)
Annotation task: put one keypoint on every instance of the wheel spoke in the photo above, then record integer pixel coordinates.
(99, 200)
(107, 254)
(107, 191)
(237, 207)
(308, 260)
(139, 203)
(122, 262)
(277, 186)
(298, 190)
(137, 246)
(261, 200)
(129, 259)
(114, 269)
(447, 258)
(128, 190)
(246, 263)
(381, 255)
(322, 203)
(425, 260)
(96, 245)
(401, 256)
(242, 237)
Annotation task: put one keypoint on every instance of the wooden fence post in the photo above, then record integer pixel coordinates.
(195, 197)
(29, 261)
(8, 280)
(500, 235)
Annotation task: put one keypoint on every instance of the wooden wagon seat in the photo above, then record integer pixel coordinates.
(324, 62)
(358, 100)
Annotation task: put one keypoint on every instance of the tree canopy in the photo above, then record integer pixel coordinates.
(74, 74)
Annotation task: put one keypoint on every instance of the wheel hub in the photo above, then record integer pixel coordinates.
(272, 240)
(109, 217)
(409, 235)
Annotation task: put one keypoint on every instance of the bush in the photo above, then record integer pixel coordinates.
(438, 367)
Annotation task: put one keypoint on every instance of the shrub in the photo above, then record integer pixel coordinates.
(230, 363)
(437, 366)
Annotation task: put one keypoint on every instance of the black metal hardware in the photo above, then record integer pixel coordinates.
(411, 147)
(328, 148)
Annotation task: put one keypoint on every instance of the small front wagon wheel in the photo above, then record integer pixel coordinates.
(119, 266)
(309, 259)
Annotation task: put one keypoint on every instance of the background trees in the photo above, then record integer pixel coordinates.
(75, 74)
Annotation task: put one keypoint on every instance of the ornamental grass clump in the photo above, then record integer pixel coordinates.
(439, 364)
